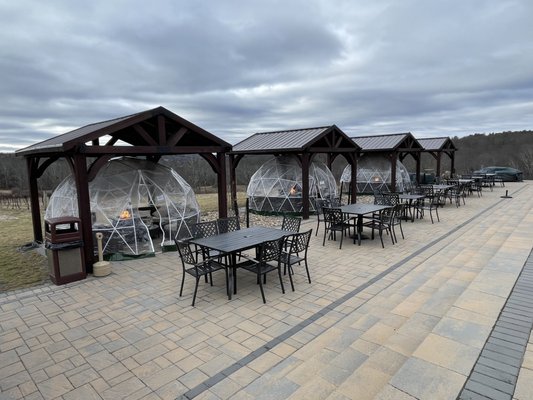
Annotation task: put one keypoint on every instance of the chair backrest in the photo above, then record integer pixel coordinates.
(332, 215)
(387, 215)
(437, 197)
(379, 199)
(205, 229)
(392, 199)
(299, 241)
(397, 212)
(320, 204)
(427, 190)
(229, 224)
(184, 249)
(270, 250)
(291, 224)
(335, 202)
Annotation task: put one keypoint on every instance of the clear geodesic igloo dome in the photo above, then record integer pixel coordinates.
(134, 203)
(374, 174)
(276, 187)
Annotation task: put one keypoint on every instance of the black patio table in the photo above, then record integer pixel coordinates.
(361, 209)
(232, 243)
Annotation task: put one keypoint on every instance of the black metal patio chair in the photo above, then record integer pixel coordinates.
(319, 205)
(381, 222)
(336, 222)
(268, 260)
(397, 214)
(431, 202)
(228, 224)
(291, 224)
(296, 253)
(195, 268)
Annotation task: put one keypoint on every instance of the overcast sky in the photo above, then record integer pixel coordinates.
(434, 68)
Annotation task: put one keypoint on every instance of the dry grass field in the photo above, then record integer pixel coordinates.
(21, 266)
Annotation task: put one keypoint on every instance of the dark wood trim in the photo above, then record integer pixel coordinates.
(145, 135)
(233, 184)
(176, 137)
(305, 160)
(97, 166)
(393, 159)
(353, 187)
(222, 186)
(32, 167)
(84, 210)
(438, 157)
(212, 161)
(161, 130)
(148, 150)
(45, 164)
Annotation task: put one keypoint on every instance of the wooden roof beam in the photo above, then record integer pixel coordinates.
(145, 135)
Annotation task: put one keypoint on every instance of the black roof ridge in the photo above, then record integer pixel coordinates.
(294, 130)
(114, 119)
(382, 134)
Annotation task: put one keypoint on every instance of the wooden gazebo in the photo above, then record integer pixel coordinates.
(305, 144)
(152, 134)
(396, 146)
(436, 147)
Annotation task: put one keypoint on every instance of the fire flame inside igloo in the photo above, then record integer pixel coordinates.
(276, 187)
(374, 174)
(133, 203)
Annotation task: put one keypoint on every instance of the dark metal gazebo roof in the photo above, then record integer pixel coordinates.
(157, 131)
(394, 146)
(436, 147)
(437, 144)
(316, 140)
(303, 143)
(401, 142)
(152, 133)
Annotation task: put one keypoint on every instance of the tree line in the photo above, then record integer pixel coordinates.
(513, 149)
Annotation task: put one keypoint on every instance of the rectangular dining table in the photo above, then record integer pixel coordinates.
(232, 243)
(360, 210)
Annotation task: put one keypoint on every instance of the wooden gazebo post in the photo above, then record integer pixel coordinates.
(82, 186)
(222, 186)
(393, 159)
(32, 166)
(305, 184)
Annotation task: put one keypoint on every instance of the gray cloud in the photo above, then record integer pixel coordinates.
(239, 67)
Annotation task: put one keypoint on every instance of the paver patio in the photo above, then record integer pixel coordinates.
(405, 322)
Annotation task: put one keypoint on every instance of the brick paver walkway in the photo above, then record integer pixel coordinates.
(405, 322)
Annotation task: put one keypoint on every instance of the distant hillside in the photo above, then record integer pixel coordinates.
(514, 149)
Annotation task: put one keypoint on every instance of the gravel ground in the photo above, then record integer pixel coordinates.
(264, 220)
